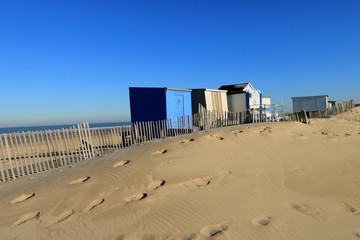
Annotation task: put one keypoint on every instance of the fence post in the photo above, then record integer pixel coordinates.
(2, 161)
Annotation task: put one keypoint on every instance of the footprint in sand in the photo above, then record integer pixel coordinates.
(80, 180)
(22, 198)
(27, 217)
(64, 216)
(357, 234)
(262, 221)
(193, 183)
(235, 132)
(306, 209)
(139, 236)
(187, 140)
(121, 163)
(212, 230)
(136, 197)
(155, 184)
(93, 204)
(347, 134)
(200, 182)
(353, 210)
(159, 151)
(266, 130)
(216, 137)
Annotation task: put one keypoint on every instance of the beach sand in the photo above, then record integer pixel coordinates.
(256, 181)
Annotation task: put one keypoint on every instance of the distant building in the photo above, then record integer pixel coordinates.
(310, 103)
(266, 105)
(209, 99)
(242, 97)
(153, 104)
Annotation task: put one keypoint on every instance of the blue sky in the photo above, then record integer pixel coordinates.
(73, 61)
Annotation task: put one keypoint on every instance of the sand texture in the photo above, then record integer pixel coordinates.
(276, 181)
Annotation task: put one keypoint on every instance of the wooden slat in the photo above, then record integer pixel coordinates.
(90, 140)
(9, 156)
(50, 150)
(87, 140)
(66, 151)
(28, 152)
(119, 134)
(114, 139)
(82, 142)
(37, 150)
(19, 154)
(13, 147)
(70, 147)
(25, 148)
(2, 161)
(55, 148)
(32, 151)
(76, 145)
(100, 143)
(44, 153)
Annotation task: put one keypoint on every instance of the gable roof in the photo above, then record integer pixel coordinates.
(235, 88)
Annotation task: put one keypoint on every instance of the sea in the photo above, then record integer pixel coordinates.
(53, 127)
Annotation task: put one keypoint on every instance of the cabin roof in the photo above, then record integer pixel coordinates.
(234, 87)
(310, 96)
(207, 89)
(166, 88)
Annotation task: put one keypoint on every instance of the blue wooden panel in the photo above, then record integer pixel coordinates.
(147, 104)
(248, 96)
(178, 104)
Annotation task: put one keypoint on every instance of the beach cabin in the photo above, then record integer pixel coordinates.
(210, 105)
(310, 103)
(242, 97)
(209, 99)
(267, 108)
(159, 103)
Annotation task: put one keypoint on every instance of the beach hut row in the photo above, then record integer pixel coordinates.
(159, 103)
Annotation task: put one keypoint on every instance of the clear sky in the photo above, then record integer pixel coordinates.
(70, 61)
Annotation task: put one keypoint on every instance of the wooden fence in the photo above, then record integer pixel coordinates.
(26, 153)
(333, 111)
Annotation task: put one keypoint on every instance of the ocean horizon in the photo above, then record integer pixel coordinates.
(60, 126)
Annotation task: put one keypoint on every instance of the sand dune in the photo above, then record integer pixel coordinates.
(260, 181)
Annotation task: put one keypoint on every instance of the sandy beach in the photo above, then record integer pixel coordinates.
(284, 180)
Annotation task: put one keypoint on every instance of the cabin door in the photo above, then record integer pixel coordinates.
(179, 105)
(179, 111)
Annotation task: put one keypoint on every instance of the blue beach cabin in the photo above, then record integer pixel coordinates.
(159, 103)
